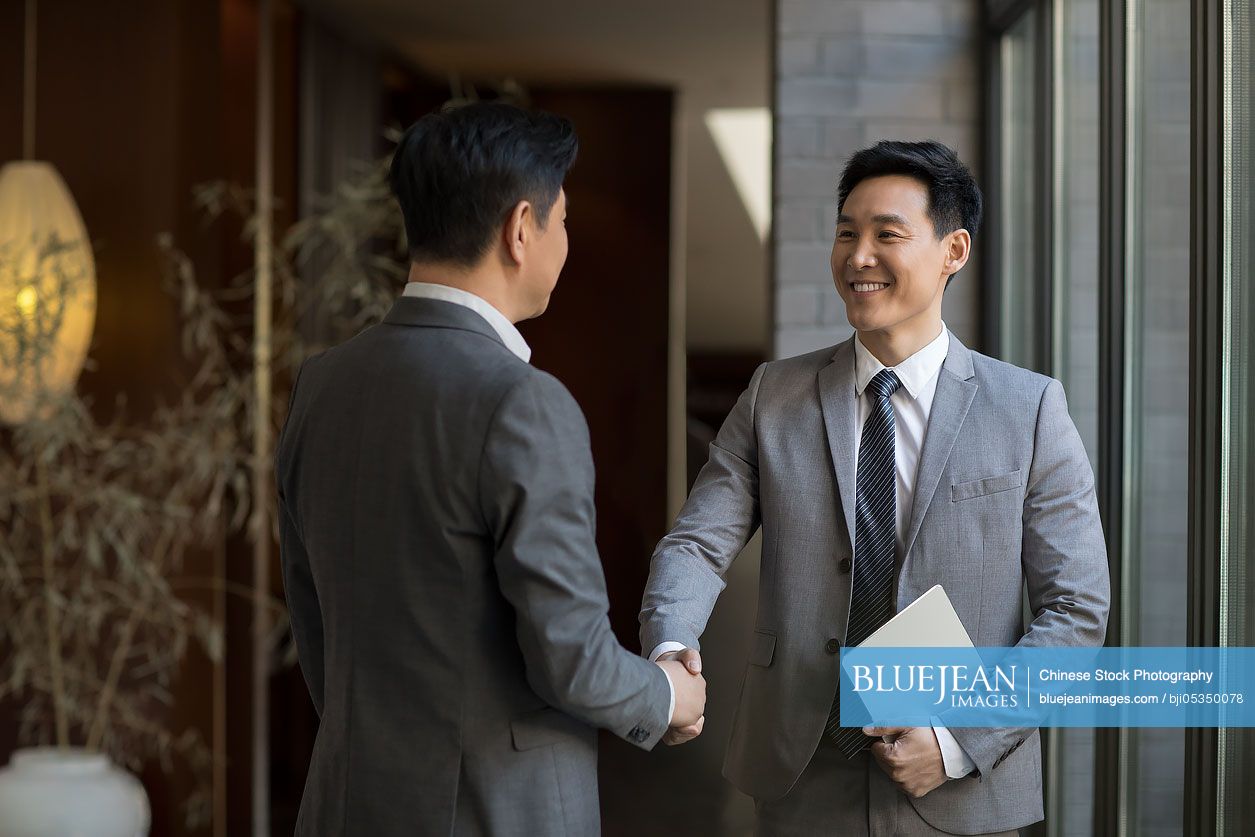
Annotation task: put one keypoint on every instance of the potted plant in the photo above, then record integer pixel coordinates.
(98, 517)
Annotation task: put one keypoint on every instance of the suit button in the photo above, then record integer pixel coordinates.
(845, 566)
(833, 646)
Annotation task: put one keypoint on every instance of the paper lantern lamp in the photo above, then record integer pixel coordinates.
(47, 290)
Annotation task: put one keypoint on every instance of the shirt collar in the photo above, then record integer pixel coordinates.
(505, 329)
(914, 372)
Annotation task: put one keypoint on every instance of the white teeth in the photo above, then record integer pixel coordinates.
(865, 287)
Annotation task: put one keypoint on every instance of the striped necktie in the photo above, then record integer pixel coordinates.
(875, 538)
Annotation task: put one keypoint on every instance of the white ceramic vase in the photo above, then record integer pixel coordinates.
(50, 792)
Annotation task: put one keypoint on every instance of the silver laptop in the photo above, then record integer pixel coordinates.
(927, 622)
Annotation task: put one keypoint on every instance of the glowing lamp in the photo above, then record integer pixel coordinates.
(47, 290)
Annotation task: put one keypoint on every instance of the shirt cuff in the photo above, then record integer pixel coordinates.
(671, 704)
(665, 648)
(957, 763)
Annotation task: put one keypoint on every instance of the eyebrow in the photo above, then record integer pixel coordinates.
(883, 218)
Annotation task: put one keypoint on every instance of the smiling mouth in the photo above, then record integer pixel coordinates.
(868, 287)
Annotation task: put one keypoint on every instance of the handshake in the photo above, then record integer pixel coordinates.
(684, 669)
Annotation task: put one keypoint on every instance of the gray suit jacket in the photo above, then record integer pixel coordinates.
(447, 600)
(1004, 496)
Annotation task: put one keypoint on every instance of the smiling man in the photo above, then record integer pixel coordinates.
(877, 468)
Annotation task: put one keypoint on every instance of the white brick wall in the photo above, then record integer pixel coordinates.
(850, 73)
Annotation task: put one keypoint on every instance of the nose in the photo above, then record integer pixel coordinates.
(863, 257)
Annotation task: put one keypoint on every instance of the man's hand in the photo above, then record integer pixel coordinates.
(691, 659)
(912, 759)
(680, 735)
(684, 668)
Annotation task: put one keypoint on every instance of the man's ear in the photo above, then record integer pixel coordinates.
(958, 251)
(516, 232)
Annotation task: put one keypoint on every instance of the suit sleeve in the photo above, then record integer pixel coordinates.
(1064, 558)
(304, 611)
(536, 490)
(718, 519)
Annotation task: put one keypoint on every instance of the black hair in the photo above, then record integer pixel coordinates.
(459, 172)
(954, 199)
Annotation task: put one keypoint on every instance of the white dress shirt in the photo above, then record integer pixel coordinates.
(513, 341)
(504, 328)
(912, 403)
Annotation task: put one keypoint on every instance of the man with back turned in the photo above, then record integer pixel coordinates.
(437, 532)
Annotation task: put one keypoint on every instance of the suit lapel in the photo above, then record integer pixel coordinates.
(836, 398)
(955, 391)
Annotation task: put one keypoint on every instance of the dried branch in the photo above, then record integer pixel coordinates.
(98, 515)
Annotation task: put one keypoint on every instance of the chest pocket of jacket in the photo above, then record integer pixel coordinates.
(971, 489)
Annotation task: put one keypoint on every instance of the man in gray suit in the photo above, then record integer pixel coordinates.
(877, 468)
(436, 522)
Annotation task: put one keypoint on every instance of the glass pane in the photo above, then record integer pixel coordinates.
(1236, 813)
(1016, 199)
(1076, 219)
(1157, 385)
(1071, 783)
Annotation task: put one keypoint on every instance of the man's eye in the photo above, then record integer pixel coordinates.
(844, 234)
(887, 234)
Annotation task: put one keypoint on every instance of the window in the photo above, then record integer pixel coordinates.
(1236, 747)
(1070, 785)
(1156, 385)
(1090, 170)
(1016, 200)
